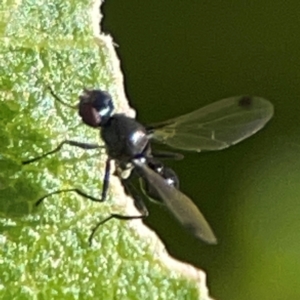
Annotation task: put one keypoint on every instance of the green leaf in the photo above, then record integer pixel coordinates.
(44, 250)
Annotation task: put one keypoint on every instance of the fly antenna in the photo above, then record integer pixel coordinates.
(59, 100)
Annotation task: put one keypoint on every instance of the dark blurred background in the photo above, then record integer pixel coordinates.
(180, 55)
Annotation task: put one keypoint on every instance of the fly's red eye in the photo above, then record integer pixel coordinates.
(89, 115)
(95, 107)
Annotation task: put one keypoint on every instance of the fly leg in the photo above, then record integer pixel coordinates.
(85, 146)
(81, 193)
(78, 191)
(132, 192)
(138, 202)
(106, 180)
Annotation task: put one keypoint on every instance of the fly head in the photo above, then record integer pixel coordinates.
(95, 107)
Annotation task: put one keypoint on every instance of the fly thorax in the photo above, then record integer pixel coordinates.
(124, 137)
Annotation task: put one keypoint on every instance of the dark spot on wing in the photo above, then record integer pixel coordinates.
(246, 101)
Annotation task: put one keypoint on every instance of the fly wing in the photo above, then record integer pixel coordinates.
(182, 207)
(216, 126)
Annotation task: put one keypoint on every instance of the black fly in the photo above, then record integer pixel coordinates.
(127, 142)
